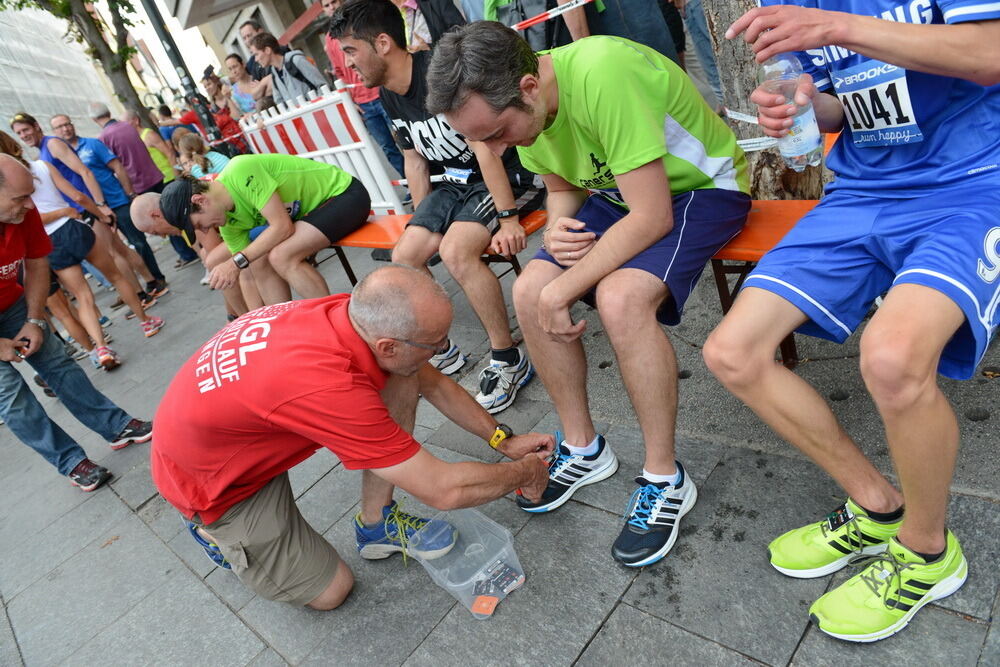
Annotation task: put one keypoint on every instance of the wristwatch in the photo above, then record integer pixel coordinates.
(507, 213)
(500, 434)
(41, 324)
(241, 260)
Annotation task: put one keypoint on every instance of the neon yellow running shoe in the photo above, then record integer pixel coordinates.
(826, 546)
(881, 599)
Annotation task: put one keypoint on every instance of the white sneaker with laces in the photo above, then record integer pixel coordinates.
(448, 362)
(500, 381)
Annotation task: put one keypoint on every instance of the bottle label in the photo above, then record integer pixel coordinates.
(877, 104)
(803, 136)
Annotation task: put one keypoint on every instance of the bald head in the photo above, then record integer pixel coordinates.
(399, 302)
(148, 218)
(16, 188)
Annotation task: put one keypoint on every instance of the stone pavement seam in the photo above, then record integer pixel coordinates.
(13, 634)
(600, 626)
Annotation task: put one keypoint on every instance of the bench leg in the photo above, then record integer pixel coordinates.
(344, 263)
(516, 265)
(789, 353)
(722, 284)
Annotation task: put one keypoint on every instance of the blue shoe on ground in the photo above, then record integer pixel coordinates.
(211, 548)
(393, 534)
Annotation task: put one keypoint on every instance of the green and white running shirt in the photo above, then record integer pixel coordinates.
(301, 183)
(623, 105)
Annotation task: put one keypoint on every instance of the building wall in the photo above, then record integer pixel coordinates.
(43, 73)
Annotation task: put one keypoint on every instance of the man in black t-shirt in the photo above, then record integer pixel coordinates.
(476, 208)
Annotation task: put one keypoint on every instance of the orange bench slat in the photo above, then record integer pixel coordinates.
(767, 223)
(385, 230)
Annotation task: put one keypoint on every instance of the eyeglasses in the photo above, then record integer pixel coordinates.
(62, 126)
(436, 349)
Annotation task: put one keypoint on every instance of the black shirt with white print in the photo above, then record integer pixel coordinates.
(432, 136)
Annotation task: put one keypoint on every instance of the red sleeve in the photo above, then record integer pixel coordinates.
(352, 422)
(36, 241)
(191, 118)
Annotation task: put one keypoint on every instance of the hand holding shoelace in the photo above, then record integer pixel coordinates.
(539, 469)
(518, 446)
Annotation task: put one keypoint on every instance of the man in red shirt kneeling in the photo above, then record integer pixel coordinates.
(343, 372)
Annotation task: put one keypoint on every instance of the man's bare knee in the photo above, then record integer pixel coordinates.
(731, 356)
(338, 590)
(529, 285)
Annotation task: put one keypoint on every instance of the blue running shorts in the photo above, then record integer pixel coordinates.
(704, 221)
(851, 249)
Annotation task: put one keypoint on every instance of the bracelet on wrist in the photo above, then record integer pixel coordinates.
(507, 213)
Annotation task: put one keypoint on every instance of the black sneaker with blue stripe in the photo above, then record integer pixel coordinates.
(568, 472)
(652, 520)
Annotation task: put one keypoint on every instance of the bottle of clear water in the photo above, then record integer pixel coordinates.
(803, 145)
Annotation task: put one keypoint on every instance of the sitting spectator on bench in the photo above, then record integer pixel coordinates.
(912, 212)
(644, 187)
(476, 210)
(306, 206)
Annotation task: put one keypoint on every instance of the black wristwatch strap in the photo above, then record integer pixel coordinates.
(507, 213)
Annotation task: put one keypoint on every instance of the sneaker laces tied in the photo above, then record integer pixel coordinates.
(640, 505)
(854, 532)
(885, 562)
(402, 520)
(489, 378)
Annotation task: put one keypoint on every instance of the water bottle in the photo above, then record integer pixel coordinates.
(803, 145)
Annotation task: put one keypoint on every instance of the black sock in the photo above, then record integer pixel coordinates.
(142, 295)
(508, 355)
(885, 517)
(929, 557)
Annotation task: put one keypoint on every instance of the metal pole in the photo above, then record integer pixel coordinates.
(191, 94)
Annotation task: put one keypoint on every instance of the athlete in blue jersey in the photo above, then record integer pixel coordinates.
(912, 86)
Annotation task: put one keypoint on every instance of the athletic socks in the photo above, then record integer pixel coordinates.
(669, 480)
(508, 355)
(589, 450)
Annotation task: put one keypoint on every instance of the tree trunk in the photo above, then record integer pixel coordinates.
(769, 178)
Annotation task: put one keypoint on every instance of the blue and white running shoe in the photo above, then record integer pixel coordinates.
(652, 520)
(393, 534)
(568, 472)
(499, 382)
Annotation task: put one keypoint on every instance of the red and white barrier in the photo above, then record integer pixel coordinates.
(327, 127)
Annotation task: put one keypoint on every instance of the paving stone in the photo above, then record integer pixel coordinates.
(31, 511)
(991, 648)
(429, 416)
(179, 623)
(976, 523)
(717, 582)
(228, 587)
(9, 653)
(267, 658)
(118, 569)
(556, 558)
(933, 637)
(698, 456)
(58, 542)
(162, 518)
(630, 632)
(134, 486)
(330, 498)
(304, 475)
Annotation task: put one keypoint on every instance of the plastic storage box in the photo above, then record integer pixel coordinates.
(481, 569)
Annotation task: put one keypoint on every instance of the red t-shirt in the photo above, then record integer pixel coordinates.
(261, 396)
(229, 128)
(26, 240)
(359, 93)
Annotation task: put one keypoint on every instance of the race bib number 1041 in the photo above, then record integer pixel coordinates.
(877, 104)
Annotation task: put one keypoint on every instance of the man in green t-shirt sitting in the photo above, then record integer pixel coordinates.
(645, 184)
(305, 205)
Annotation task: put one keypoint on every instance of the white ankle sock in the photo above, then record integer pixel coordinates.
(660, 479)
(589, 450)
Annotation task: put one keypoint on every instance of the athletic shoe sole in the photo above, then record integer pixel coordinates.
(508, 399)
(830, 568)
(609, 469)
(454, 366)
(685, 508)
(92, 487)
(380, 551)
(125, 442)
(109, 363)
(942, 589)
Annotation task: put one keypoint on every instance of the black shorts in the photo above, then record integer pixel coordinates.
(71, 244)
(340, 215)
(472, 202)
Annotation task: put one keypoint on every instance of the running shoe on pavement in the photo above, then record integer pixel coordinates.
(393, 533)
(152, 326)
(211, 548)
(104, 357)
(881, 599)
(500, 381)
(653, 520)
(105, 321)
(117, 304)
(88, 475)
(448, 362)
(156, 288)
(568, 472)
(135, 431)
(824, 547)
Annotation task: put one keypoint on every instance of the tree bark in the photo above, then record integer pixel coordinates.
(769, 178)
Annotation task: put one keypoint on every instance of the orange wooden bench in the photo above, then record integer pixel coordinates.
(384, 231)
(767, 223)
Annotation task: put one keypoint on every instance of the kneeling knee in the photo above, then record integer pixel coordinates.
(336, 592)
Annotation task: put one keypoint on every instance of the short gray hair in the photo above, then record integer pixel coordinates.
(382, 304)
(98, 110)
(484, 57)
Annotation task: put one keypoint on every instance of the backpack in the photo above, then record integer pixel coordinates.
(295, 71)
(547, 35)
